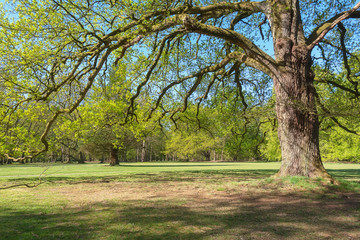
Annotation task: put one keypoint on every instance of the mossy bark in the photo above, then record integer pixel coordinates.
(298, 124)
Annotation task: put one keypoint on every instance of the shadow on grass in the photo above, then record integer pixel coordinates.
(183, 176)
(274, 216)
(176, 165)
(219, 215)
(346, 173)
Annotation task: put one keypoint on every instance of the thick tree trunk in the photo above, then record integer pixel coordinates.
(22, 161)
(207, 155)
(81, 158)
(298, 128)
(114, 159)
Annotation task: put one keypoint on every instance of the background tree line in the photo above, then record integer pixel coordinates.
(209, 132)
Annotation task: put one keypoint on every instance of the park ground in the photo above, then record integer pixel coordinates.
(176, 201)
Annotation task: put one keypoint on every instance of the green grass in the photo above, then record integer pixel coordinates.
(177, 201)
(339, 170)
(78, 170)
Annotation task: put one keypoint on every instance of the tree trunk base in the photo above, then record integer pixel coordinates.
(321, 174)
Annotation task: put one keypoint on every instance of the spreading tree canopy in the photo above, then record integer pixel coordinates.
(178, 53)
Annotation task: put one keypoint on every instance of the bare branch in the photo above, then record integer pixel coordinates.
(28, 185)
(342, 87)
(71, 15)
(260, 27)
(212, 68)
(126, 46)
(345, 59)
(333, 117)
(149, 73)
(238, 83)
(319, 33)
(256, 57)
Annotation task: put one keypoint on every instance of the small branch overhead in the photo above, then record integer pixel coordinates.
(319, 33)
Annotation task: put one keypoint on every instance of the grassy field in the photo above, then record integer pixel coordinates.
(176, 201)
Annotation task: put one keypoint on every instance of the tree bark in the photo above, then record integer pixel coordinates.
(81, 158)
(114, 158)
(137, 154)
(151, 153)
(62, 154)
(53, 157)
(143, 151)
(298, 125)
(207, 155)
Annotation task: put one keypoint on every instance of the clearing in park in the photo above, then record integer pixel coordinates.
(177, 201)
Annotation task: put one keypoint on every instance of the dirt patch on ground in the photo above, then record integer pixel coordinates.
(233, 210)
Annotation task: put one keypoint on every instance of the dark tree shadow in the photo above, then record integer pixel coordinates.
(272, 216)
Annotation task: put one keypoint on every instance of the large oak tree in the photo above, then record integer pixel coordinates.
(58, 48)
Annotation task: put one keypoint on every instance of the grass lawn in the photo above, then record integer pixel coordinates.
(177, 201)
